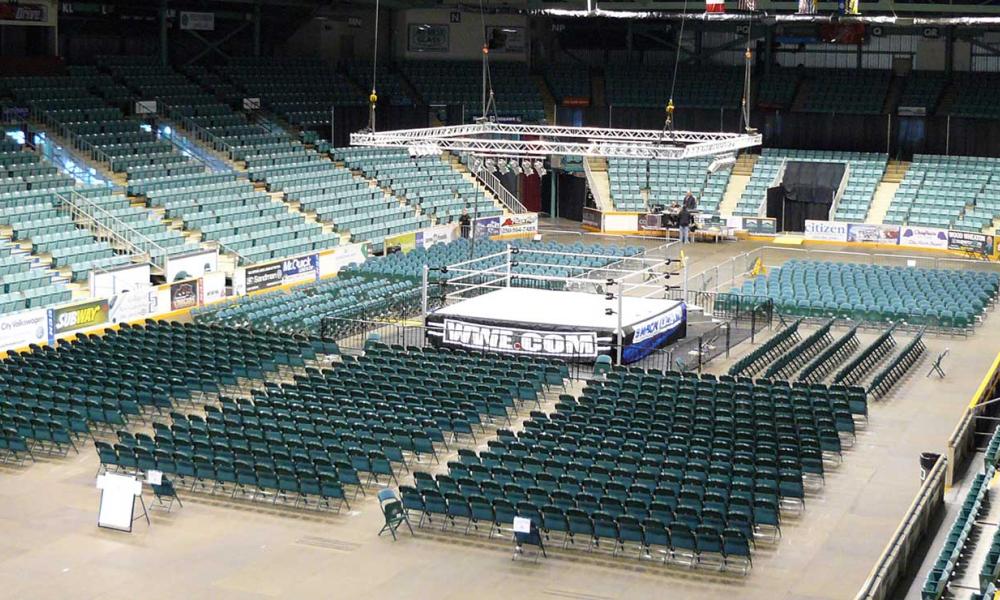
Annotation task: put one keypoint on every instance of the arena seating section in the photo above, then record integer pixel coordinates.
(568, 82)
(849, 91)
(445, 83)
(305, 442)
(390, 85)
(587, 256)
(299, 90)
(865, 170)
(684, 467)
(975, 95)
(31, 210)
(302, 309)
(777, 89)
(648, 86)
(388, 287)
(53, 394)
(915, 296)
(966, 533)
(668, 182)
(947, 191)
(436, 188)
(923, 90)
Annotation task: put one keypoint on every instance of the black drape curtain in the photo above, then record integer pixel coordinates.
(813, 182)
(790, 212)
(572, 196)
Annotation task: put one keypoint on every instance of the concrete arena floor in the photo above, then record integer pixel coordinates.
(216, 548)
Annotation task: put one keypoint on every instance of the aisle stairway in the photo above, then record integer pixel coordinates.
(597, 179)
(886, 191)
(737, 183)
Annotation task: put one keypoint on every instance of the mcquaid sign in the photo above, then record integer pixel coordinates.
(556, 344)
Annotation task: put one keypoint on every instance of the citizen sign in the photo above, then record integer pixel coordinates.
(520, 341)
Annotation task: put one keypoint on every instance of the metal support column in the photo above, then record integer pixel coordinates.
(164, 58)
(256, 27)
(423, 295)
(621, 326)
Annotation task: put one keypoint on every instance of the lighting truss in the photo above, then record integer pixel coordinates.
(507, 140)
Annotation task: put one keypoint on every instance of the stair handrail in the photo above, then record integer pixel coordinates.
(493, 184)
(103, 221)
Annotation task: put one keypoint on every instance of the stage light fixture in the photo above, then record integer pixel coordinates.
(516, 167)
(540, 168)
(491, 165)
(503, 166)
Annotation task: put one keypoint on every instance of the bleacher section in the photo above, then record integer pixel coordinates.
(299, 90)
(846, 91)
(302, 443)
(444, 83)
(52, 393)
(390, 85)
(976, 501)
(649, 87)
(303, 308)
(864, 171)
(682, 468)
(410, 265)
(31, 212)
(569, 82)
(947, 191)
(243, 221)
(923, 90)
(915, 296)
(427, 183)
(975, 95)
(777, 88)
(668, 182)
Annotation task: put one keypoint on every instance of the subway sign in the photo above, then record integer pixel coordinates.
(80, 316)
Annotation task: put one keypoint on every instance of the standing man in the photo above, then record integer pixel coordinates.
(465, 224)
(690, 202)
(684, 223)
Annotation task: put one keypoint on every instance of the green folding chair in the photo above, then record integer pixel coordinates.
(393, 512)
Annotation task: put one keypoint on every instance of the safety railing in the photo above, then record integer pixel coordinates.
(493, 185)
(838, 196)
(891, 566)
(962, 441)
(106, 225)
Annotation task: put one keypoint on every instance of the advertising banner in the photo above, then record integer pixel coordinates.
(133, 306)
(924, 237)
(978, 243)
(24, 328)
(261, 277)
(522, 224)
(197, 21)
(330, 263)
(486, 227)
(116, 281)
(78, 316)
(213, 287)
(760, 225)
(829, 231)
(512, 340)
(874, 234)
(25, 13)
(184, 294)
(439, 234)
(300, 268)
(403, 242)
(188, 266)
(592, 218)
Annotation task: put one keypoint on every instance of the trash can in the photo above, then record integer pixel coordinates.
(927, 460)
